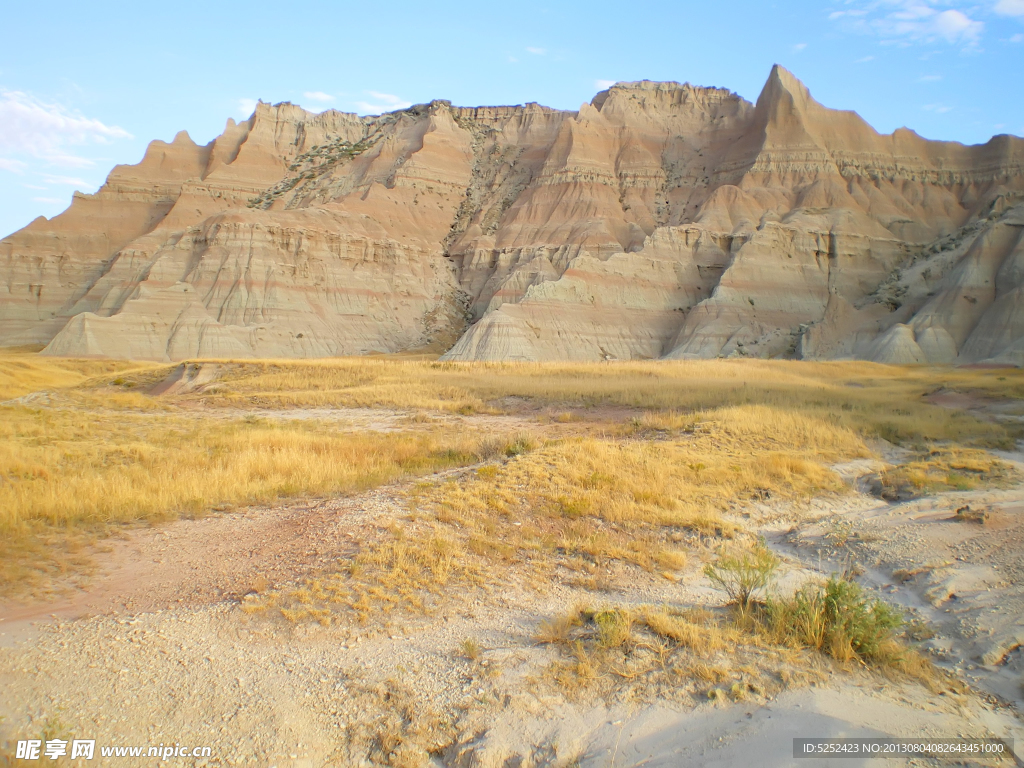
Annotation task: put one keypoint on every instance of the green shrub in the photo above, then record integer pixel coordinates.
(741, 574)
(836, 618)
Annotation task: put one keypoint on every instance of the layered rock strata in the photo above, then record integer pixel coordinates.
(660, 220)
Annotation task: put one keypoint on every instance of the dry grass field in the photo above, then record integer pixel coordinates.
(659, 445)
(616, 510)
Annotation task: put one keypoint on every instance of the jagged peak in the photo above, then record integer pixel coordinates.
(781, 87)
(181, 140)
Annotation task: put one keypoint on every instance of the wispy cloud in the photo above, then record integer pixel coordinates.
(382, 102)
(929, 78)
(799, 47)
(319, 96)
(537, 51)
(604, 84)
(14, 166)
(907, 22)
(45, 131)
(1018, 38)
(34, 186)
(1009, 8)
(923, 23)
(937, 108)
(864, 60)
(49, 200)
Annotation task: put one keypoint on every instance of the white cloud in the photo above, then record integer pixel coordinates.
(916, 21)
(34, 186)
(318, 96)
(929, 78)
(864, 60)
(42, 130)
(513, 60)
(1010, 8)
(604, 84)
(246, 107)
(50, 200)
(14, 166)
(799, 47)
(383, 102)
(924, 23)
(537, 51)
(956, 26)
(1018, 38)
(937, 108)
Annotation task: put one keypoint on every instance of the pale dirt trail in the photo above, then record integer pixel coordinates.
(222, 557)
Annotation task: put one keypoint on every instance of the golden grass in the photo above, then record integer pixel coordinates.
(21, 373)
(705, 434)
(694, 629)
(669, 652)
(602, 497)
(665, 653)
(577, 504)
(67, 470)
(946, 468)
(872, 399)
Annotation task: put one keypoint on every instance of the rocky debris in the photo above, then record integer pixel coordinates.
(965, 514)
(659, 220)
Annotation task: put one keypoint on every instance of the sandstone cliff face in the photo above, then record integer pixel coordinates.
(660, 220)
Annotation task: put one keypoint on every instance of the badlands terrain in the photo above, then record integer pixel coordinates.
(405, 561)
(658, 221)
(657, 433)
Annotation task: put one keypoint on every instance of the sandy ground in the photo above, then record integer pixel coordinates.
(155, 649)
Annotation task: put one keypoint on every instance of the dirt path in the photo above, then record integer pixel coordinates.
(192, 563)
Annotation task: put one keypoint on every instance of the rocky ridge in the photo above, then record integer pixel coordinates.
(659, 220)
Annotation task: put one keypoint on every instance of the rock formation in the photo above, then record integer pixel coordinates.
(660, 220)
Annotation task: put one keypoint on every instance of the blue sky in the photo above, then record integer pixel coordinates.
(86, 85)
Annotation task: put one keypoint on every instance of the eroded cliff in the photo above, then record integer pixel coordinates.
(660, 220)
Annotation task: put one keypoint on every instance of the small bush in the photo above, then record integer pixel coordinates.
(520, 444)
(741, 574)
(838, 619)
(614, 628)
(507, 446)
